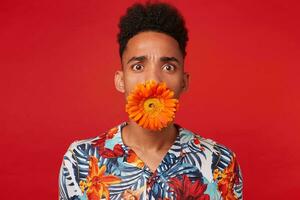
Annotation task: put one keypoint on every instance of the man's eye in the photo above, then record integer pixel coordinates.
(169, 67)
(137, 67)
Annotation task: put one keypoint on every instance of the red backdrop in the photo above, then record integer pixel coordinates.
(58, 60)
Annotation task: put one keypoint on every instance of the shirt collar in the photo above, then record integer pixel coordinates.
(175, 149)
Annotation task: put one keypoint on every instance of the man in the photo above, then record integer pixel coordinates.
(150, 157)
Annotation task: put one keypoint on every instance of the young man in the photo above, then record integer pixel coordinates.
(149, 156)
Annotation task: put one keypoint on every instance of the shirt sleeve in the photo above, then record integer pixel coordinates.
(228, 175)
(68, 182)
(237, 180)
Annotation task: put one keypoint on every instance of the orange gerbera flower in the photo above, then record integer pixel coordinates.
(96, 184)
(152, 105)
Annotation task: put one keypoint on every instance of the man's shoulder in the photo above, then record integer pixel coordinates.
(81, 150)
(194, 143)
(93, 145)
(187, 136)
(82, 143)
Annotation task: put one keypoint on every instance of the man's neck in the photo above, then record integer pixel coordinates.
(137, 137)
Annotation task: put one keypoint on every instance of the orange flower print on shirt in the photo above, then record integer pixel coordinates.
(134, 159)
(96, 184)
(133, 194)
(111, 133)
(226, 180)
(152, 105)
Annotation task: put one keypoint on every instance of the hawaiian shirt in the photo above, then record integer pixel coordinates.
(193, 168)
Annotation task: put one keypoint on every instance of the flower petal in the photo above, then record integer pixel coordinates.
(110, 179)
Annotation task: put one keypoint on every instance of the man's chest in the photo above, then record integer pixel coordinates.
(130, 178)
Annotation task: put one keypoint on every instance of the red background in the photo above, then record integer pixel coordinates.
(58, 60)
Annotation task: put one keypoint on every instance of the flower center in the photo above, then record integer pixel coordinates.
(152, 105)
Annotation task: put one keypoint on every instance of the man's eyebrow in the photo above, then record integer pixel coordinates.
(137, 58)
(168, 59)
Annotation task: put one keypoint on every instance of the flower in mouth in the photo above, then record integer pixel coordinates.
(152, 105)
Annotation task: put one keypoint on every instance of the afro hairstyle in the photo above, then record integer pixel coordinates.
(158, 17)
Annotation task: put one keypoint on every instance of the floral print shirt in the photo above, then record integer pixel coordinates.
(193, 168)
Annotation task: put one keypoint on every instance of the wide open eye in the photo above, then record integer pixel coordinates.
(169, 68)
(137, 67)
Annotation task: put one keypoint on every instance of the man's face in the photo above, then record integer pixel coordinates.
(152, 56)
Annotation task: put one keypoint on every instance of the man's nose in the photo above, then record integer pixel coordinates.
(154, 74)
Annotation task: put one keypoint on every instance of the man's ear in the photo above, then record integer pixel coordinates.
(186, 81)
(119, 81)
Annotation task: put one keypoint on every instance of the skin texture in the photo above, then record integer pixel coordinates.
(151, 56)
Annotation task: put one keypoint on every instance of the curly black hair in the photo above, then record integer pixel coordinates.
(157, 16)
